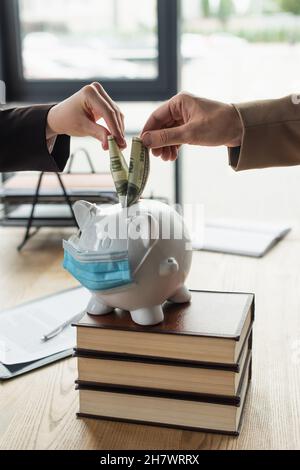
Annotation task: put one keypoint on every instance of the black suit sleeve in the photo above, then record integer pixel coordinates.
(23, 145)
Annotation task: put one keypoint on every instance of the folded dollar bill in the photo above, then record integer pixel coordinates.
(130, 183)
(119, 170)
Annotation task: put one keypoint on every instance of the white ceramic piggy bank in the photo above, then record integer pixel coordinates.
(158, 250)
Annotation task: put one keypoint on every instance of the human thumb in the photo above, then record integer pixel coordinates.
(165, 137)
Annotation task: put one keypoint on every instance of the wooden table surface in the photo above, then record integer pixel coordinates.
(37, 411)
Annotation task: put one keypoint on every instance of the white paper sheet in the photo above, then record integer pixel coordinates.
(22, 328)
(240, 237)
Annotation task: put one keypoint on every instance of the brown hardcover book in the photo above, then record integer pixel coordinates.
(187, 377)
(211, 329)
(183, 411)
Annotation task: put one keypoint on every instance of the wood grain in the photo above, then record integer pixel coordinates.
(37, 411)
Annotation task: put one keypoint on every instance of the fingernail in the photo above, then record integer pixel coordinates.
(147, 139)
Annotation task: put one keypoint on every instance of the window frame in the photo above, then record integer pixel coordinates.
(159, 89)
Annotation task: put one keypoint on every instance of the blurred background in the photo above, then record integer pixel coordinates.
(145, 51)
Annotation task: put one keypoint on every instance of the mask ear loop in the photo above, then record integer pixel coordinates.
(153, 240)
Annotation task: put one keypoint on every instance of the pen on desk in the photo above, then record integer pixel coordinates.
(60, 328)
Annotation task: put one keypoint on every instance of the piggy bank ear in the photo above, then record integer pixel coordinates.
(84, 212)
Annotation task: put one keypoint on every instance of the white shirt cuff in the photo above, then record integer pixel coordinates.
(51, 143)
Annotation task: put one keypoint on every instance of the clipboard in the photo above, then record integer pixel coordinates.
(37, 314)
(10, 372)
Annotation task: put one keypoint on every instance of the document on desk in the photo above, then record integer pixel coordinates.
(22, 327)
(242, 238)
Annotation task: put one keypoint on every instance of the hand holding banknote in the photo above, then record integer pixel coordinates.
(78, 115)
(186, 119)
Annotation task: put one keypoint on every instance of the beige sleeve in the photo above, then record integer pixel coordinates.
(271, 134)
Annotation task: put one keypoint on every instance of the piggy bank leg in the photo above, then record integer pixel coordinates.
(148, 316)
(181, 296)
(97, 307)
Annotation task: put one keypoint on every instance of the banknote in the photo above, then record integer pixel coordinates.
(119, 170)
(139, 170)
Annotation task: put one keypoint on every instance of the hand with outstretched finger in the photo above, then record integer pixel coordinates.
(186, 119)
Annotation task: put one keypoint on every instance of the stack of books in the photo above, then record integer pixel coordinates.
(190, 372)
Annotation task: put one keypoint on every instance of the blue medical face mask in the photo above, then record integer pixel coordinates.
(102, 271)
(97, 272)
